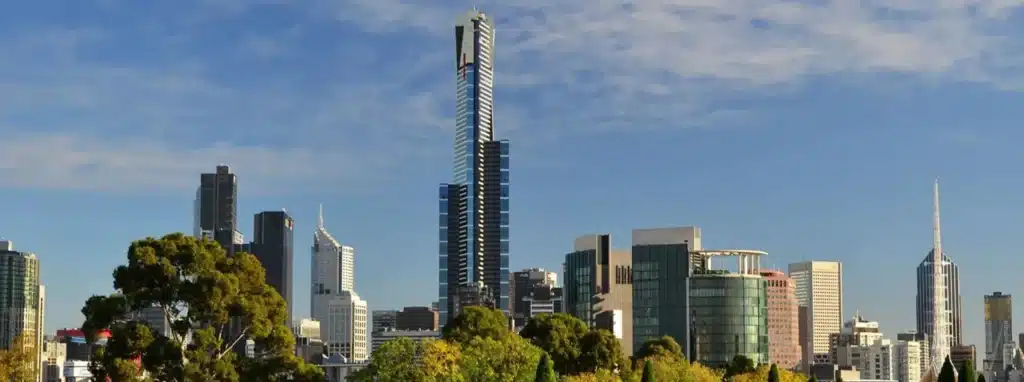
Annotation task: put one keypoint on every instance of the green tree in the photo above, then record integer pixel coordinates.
(559, 335)
(439, 360)
(948, 373)
(740, 365)
(393, 361)
(967, 371)
(813, 379)
(665, 345)
(648, 375)
(509, 359)
(215, 299)
(981, 377)
(600, 350)
(545, 370)
(17, 361)
(773, 373)
(477, 321)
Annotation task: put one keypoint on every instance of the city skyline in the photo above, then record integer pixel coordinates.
(598, 153)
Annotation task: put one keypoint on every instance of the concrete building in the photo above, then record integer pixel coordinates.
(998, 329)
(416, 336)
(332, 269)
(55, 354)
(660, 279)
(416, 318)
(384, 320)
(907, 358)
(338, 369)
(783, 325)
(926, 357)
(598, 289)
(473, 211)
(77, 371)
(718, 296)
(307, 328)
(272, 244)
(879, 361)
(534, 291)
(22, 302)
(856, 332)
(345, 330)
(819, 291)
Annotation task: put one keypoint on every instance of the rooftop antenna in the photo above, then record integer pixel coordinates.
(320, 218)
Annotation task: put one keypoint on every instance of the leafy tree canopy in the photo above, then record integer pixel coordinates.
(764, 373)
(773, 373)
(740, 365)
(600, 350)
(545, 370)
(559, 335)
(17, 362)
(204, 293)
(664, 346)
(981, 377)
(477, 321)
(968, 372)
(948, 373)
(648, 375)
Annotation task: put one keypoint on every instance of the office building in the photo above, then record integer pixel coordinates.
(783, 326)
(22, 302)
(741, 299)
(879, 361)
(855, 332)
(331, 270)
(54, 355)
(907, 357)
(416, 336)
(272, 245)
(345, 330)
(474, 207)
(954, 305)
(534, 291)
(307, 328)
(598, 289)
(998, 329)
(941, 338)
(154, 317)
(216, 208)
(660, 276)
(416, 318)
(961, 353)
(819, 291)
(384, 320)
(926, 358)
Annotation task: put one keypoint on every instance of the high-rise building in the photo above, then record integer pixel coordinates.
(384, 320)
(878, 361)
(954, 306)
(907, 358)
(534, 291)
(345, 329)
(960, 354)
(598, 288)
(272, 245)
(660, 273)
(216, 208)
(819, 291)
(855, 332)
(783, 326)
(474, 207)
(416, 318)
(54, 355)
(718, 296)
(926, 357)
(21, 302)
(998, 328)
(941, 321)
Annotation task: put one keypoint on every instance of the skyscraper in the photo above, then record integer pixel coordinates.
(21, 302)
(216, 208)
(342, 314)
(598, 287)
(272, 245)
(998, 329)
(474, 207)
(783, 324)
(819, 292)
(940, 320)
(954, 306)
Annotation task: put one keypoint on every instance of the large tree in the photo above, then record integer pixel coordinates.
(968, 373)
(948, 373)
(773, 373)
(664, 346)
(559, 335)
(545, 370)
(212, 300)
(648, 375)
(600, 350)
(477, 321)
(17, 362)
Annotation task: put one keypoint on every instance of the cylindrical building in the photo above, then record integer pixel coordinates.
(730, 317)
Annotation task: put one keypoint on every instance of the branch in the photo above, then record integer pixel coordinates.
(233, 343)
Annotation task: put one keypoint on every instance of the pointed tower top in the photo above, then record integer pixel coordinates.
(937, 224)
(320, 218)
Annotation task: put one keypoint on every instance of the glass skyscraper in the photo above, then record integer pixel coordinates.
(954, 305)
(474, 234)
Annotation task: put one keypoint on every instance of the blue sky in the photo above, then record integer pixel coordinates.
(811, 130)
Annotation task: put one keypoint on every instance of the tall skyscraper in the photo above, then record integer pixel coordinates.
(954, 306)
(272, 245)
(474, 207)
(819, 291)
(940, 319)
(998, 329)
(658, 277)
(783, 325)
(22, 302)
(598, 287)
(343, 316)
(216, 208)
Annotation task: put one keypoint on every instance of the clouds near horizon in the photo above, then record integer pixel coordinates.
(124, 96)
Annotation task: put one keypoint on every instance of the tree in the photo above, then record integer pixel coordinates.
(216, 299)
(440, 361)
(559, 335)
(968, 372)
(545, 370)
(393, 361)
(773, 373)
(665, 345)
(17, 362)
(981, 377)
(813, 379)
(600, 350)
(948, 373)
(740, 365)
(509, 359)
(477, 321)
(648, 372)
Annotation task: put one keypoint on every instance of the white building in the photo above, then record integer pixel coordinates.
(54, 355)
(416, 336)
(346, 331)
(908, 358)
(77, 371)
(819, 293)
(307, 328)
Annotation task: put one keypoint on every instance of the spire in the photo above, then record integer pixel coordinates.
(937, 227)
(320, 218)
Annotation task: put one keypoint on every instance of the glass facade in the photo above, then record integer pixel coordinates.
(661, 275)
(474, 209)
(580, 285)
(730, 317)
